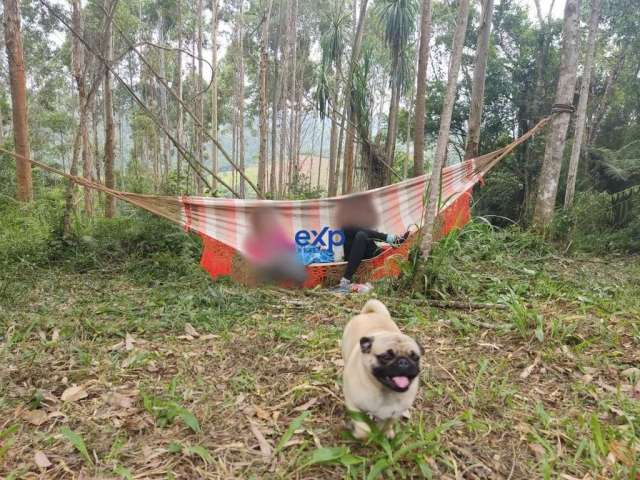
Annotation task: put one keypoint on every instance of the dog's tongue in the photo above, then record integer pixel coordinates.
(400, 382)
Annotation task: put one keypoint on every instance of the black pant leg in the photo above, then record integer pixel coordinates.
(356, 254)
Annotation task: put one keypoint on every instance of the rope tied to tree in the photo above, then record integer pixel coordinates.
(563, 108)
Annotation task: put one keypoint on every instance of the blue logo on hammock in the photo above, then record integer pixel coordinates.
(324, 238)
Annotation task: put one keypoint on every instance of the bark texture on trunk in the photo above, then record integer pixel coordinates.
(18, 83)
(581, 115)
(431, 208)
(263, 154)
(479, 76)
(347, 186)
(109, 135)
(214, 91)
(199, 102)
(550, 174)
(179, 126)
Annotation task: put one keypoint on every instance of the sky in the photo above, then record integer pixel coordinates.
(557, 12)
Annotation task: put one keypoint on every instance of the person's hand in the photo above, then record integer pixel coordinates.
(392, 238)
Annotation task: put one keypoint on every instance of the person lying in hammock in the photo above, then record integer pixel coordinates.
(357, 216)
(270, 251)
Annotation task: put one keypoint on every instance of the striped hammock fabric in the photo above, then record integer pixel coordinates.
(224, 224)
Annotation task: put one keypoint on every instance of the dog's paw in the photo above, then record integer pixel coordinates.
(390, 433)
(360, 430)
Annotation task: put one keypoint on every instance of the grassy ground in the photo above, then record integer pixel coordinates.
(146, 368)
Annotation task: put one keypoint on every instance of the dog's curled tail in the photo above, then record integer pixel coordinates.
(375, 306)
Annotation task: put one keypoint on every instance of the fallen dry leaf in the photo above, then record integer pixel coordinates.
(306, 406)
(41, 460)
(128, 342)
(265, 448)
(73, 394)
(35, 417)
(55, 336)
(538, 450)
(262, 413)
(208, 336)
(118, 400)
(189, 330)
(527, 371)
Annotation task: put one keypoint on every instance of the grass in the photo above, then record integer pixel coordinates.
(545, 385)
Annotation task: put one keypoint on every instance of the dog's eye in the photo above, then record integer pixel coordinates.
(414, 356)
(387, 356)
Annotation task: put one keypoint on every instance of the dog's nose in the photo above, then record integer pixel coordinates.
(403, 363)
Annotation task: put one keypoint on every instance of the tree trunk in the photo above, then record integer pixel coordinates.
(321, 152)
(283, 106)
(333, 147)
(581, 115)
(214, 91)
(1, 122)
(264, 112)
(292, 92)
(277, 80)
(164, 114)
(109, 135)
(17, 79)
(199, 101)
(240, 27)
(433, 192)
(479, 76)
(550, 174)
(347, 186)
(390, 145)
(421, 88)
(179, 126)
(600, 109)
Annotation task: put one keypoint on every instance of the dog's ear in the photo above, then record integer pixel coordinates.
(365, 344)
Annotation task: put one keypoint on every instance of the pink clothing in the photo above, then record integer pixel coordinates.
(265, 248)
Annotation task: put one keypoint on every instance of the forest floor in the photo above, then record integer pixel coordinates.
(108, 373)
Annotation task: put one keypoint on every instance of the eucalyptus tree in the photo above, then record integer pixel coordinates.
(332, 43)
(18, 84)
(550, 174)
(399, 18)
(581, 115)
(479, 77)
(421, 87)
(434, 185)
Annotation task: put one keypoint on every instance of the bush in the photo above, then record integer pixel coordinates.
(31, 235)
(592, 225)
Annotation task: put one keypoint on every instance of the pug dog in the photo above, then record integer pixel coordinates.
(381, 368)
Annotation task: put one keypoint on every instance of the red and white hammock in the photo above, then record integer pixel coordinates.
(223, 224)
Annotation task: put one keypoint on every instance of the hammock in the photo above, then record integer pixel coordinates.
(223, 224)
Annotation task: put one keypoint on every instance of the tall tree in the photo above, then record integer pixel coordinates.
(179, 87)
(581, 115)
(17, 79)
(347, 186)
(275, 102)
(264, 112)
(240, 99)
(293, 62)
(109, 135)
(479, 75)
(200, 100)
(421, 88)
(399, 19)
(433, 200)
(550, 174)
(214, 91)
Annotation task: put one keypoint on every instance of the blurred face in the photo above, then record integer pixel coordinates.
(357, 211)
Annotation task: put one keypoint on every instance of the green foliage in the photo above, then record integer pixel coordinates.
(598, 223)
(166, 409)
(78, 443)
